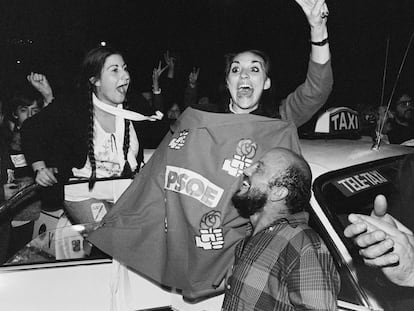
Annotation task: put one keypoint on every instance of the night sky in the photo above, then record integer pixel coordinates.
(51, 37)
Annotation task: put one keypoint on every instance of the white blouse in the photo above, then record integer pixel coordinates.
(109, 157)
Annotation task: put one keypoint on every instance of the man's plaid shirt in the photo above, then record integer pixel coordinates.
(286, 266)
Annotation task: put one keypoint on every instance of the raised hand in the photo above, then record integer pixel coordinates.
(156, 73)
(193, 76)
(169, 60)
(41, 84)
(316, 11)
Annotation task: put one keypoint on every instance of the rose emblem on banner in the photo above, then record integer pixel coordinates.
(243, 158)
(211, 234)
(211, 220)
(247, 148)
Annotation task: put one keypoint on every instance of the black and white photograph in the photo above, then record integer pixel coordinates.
(205, 155)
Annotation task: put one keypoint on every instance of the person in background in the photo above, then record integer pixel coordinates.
(4, 222)
(282, 264)
(402, 125)
(399, 125)
(24, 105)
(158, 99)
(173, 113)
(154, 97)
(19, 174)
(191, 90)
(161, 89)
(90, 136)
(172, 106)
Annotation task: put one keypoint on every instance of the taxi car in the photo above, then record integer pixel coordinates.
(57, 270)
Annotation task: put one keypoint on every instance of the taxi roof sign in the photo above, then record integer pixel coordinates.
(337, 120)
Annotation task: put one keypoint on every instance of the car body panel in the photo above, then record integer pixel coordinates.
(72, 287)
(324, 155)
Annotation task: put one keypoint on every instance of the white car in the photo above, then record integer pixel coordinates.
(347, 173)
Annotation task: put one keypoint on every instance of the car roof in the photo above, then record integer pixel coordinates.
(329, 155)
(325, 155)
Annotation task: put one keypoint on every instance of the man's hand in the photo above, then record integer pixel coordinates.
(41, 84)
(384, 243)
(46, 176)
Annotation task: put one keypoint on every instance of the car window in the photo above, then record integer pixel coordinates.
(353, 190)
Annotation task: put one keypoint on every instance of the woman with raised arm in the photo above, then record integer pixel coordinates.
(89, 136)
(176, 223)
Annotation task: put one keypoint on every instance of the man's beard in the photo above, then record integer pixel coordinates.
(406, 116)
(249, 202)
(409, 115)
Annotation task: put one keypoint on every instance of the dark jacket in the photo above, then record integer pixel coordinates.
(4, 221)
(400, 133)
(58, 134)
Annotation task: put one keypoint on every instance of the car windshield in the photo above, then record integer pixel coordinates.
(352, 190)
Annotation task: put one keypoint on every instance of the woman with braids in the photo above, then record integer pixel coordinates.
(90, 136)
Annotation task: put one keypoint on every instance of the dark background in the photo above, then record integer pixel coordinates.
(52, 36)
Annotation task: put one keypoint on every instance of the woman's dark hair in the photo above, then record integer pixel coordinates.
(267, 97)
(229, 58)
(91, 71)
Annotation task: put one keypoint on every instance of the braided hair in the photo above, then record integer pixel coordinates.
(91, 147)
(127, 171)
(91, 71)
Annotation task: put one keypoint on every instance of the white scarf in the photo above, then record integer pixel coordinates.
(123, 113)
(231, 107)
